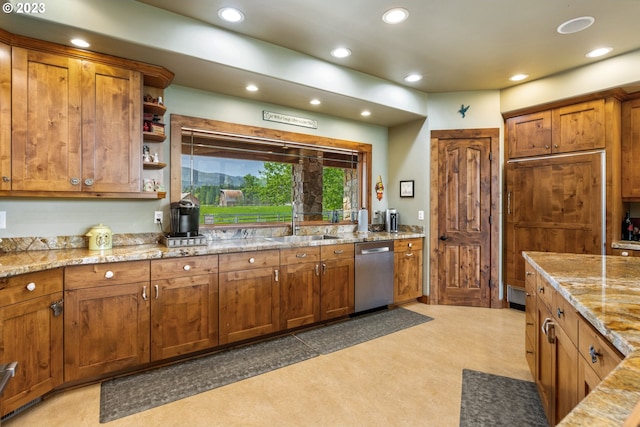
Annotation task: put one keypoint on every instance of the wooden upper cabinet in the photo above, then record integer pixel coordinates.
(631, 149)
(46, 121)
(578, 127)
(529, 134)
(5, 117)
(112, 129)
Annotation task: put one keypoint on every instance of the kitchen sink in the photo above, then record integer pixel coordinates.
(308, 238)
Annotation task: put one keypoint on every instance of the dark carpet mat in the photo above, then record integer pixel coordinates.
(493, 400)
(360, 329)
(138, 392)
(135, 393)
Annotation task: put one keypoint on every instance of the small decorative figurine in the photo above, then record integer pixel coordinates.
(463, 110)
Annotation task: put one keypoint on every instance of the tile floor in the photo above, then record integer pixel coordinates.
(410, 378)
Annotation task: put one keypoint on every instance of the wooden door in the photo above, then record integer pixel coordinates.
(46, 120)
(111, 130)
(31, 335)
(553, 205)
(299, 294)
(184, 315)
(249, 303)
(464, 229)
(337, 292)
(106, 329)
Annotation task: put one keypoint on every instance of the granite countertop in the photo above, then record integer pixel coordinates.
(20, 262)
(605, 290)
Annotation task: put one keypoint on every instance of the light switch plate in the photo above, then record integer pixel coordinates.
(3, 219)
(421, 215)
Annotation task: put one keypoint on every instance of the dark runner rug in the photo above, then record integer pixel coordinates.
(138, 392)
(341, 335)
(493, 400)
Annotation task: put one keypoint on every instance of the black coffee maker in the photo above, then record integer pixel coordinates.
(185, 217)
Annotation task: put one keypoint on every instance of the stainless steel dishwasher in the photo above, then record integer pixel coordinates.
(374, 275)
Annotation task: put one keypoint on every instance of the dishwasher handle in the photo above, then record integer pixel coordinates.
(375, 250)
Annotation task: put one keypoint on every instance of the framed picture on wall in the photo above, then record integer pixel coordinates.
(406, 188)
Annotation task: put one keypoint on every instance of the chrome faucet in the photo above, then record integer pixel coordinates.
(294, 217)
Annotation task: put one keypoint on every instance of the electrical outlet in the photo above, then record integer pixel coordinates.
(157, 217)
(421, 215)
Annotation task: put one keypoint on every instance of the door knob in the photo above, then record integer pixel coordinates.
(443, 237)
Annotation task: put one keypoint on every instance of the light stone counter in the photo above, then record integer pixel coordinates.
(20, 262)
(605, 290)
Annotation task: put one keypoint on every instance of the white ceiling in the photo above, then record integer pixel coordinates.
(458, 45)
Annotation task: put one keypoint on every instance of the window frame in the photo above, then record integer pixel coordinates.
(178, 122)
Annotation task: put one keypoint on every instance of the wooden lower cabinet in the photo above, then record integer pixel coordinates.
(407, 273)
(337, 287)
(299, 287)
(184, 305)
(31, 334)
(249, 295)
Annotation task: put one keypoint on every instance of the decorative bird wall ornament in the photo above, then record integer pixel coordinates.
(463, 110)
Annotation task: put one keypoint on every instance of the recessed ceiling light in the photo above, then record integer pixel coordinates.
(80, 43)
(598, 52)
(576, 24)
(518, 77)
(414, 77)
(365, 113)
(252, 88)
(231, 14)
(395, 15)
(341, 52)
(314, 102)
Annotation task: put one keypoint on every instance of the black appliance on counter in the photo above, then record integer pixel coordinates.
(185, 217)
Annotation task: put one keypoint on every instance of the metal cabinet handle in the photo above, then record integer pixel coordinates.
(541, 289)
(74, 181)
(546, 146)
(444, 237)
(410, 245)
(276, 274)
(144, 292)
(324, 268)
(509, 202)
(338, 251)
(31, 287)
(594, 354)
(157, 291)
(88, 181)
(548, 328)
(302, 255)
(559, 312)
(408, 254)
(108, 274)
(528, 273)
(317, 269)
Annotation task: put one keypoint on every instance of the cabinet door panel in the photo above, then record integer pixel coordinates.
(529, 135)
(631, 149)
(407, 275)
(249, 304)
(111, 130)
(31, 335)
(337, 292)
(46, 120)
(184, 315)
(299, 294)
(106, 329)
(5, 117)
(578, 127)
(553, 204)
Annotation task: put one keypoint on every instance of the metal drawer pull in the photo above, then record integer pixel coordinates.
(186, 267)
(548, 328)
(157, 291)
(144, 292)
(594, 354)
(276, 273)
(88, 181)
(56, 307)
(541, 289)
(109, 274)
(408, 254)
(302, 255)
(252, 260)
(31, 287)
(338, 252)
(559, 312)
(317, 269)
(529, 273)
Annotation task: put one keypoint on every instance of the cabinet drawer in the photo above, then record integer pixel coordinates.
(407, 245)
(181, 267)
(31, 285)
(337, 251)
(299, 255)
(87, 276)
(249, 260)
(530, 276)
(566, 316)
(590, 341)
(545, 292)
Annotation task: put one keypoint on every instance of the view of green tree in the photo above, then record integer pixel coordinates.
(332, 188)
(278, 179)
(251, 190)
